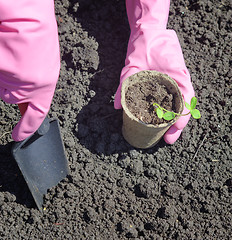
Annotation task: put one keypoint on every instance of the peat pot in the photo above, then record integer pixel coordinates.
(136, 132)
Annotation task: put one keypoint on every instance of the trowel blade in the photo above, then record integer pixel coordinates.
(42, 161)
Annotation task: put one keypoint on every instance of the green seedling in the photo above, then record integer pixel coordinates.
(168, 115)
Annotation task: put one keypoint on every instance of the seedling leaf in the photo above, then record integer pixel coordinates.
(187, 106)
(195, 113)
(193, 103)
(159, 113)
(169, 116)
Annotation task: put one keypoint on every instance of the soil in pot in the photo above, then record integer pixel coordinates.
(140, 98)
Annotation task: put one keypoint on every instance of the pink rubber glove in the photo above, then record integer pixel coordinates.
(152, 47)
(29, 60)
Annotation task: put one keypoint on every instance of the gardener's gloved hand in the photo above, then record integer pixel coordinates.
(152, 47)
(29, 60)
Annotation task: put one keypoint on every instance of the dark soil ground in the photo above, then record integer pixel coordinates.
(183, 191)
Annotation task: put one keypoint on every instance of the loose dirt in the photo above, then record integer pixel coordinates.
(180, 191)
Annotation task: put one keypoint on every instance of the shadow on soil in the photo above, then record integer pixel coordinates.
(99, 124)
(12, 181)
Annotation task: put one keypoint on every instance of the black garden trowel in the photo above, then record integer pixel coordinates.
(41, 159)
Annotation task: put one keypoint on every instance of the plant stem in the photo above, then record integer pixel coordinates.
(178, 114)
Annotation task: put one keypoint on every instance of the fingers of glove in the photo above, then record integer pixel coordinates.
(175, 130)
(117, 99)
(172, 135)
(126, 72)
(182, 122)
(35, 110)
(29, 122)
